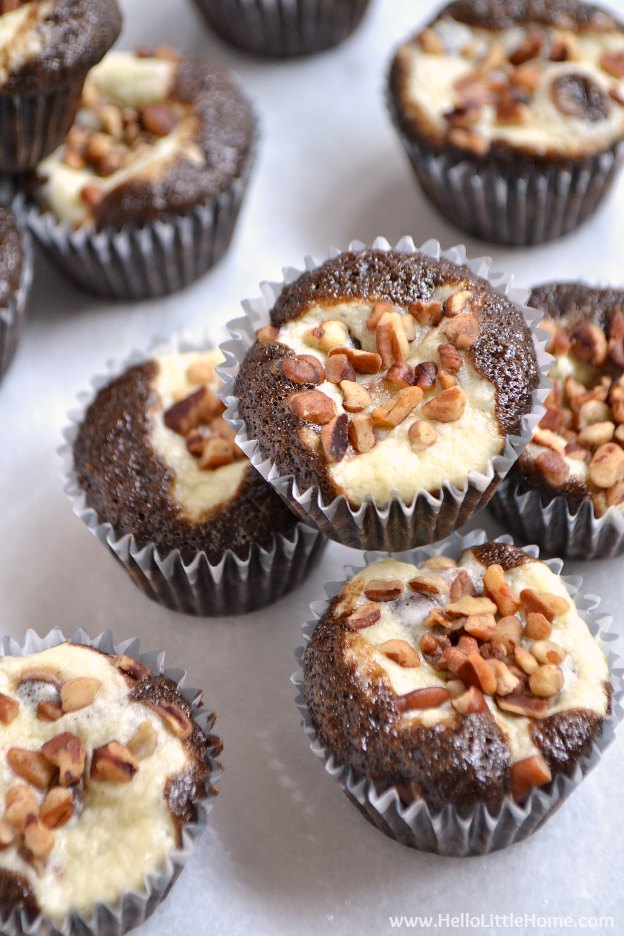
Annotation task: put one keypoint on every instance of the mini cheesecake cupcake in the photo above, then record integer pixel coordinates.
(46, 49)
(283, 28)
(512, 114)
(15, 278)
(105, 760)
(457, 686)
(392, 382)
(161, 481)
(572, 473)
(143, 195)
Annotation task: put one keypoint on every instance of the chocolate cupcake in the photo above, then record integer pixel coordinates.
(15, 279)
(512, 114)
(283, 28)
(46, 49)
(157, 476)
(566, 492)
(460, 696)
(385, 393)
(102, 748)
(143, 195)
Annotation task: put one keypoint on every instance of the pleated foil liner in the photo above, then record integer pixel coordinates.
(13, 315)
(163, 256)
(283, 28)
(473, 830)
(232, 586)
(398, 526)
(520, 204)
(133, 908)
(555, 529)
(33, 124)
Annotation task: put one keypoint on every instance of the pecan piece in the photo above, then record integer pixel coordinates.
(497, 588)
(547, 651)
(418, 699)
(462, 585)
(49, 711)
(338, 368)
(613, 63)
(113, 763)
(391, 340)
(426, 312)
(57, 808)
(481, 626)
(553, 466)
(400, 652)
(216, 453)
(607, 466)
(313, 406)
(144, 741)
(544, 603)
(356, 397)
(364, 362)
(363, 617)
(174, 718)
(430, 583)
(525, 660)
(31, 766)
(67, 752)
(589, 343)
(304, 369)
(159, 119)
(450, 358)
(527, 774)
(470, 140)
(20, 802)
(506, 682)
(425, 374)
(475, 671)
(439, 562)
(529, 48)
(77, 693)
(335, 438)
(131, 669)
(421, 435)
(564, 47)
(383, 590)
(470, 604)
(8, 709)
(379, 309)
(397, 408)
(537, 627)
(546, 681)
(361, 434)
(471, 702)
(38, 840)
(581, 97)
(430, 42)
(457, 302)
(529, 706)
(462, 331)
(402, 375)
(327, 336)
(448, 406)
(509, 631)
(199, 407)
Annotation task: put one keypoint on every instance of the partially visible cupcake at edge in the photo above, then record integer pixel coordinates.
(512, 114)
(46, 49)
(143, 195)
(14, 282)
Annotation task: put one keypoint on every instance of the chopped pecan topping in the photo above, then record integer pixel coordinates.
(475, 671)
(9, 709)
(379, 309)
(527, 774)
(430, 42)
(130, 668)
(67, 752)
(335, 438)
(197, 408)
(613, 63)
(38, 839)
(448, 406)
(525, 660)
(547, 651)
(49, 711)
(304, 369)
(327, 336)
(509, 631)
(588, 343)
(462, 330)
(425, 374)
(356, 397)
(426, 311)
(430, 697)
(537, 626)
(400, 652)
(178, 723)
(267, 335)
(216, 453)
(481, 626)
(470, 140)
(401, 375)
(361, 434)
(20, 803)
(421, 435)
(397, 408)
(543, 602)
(439, 563)
(313, 406)
(529, 48)
(462, 586)
(57, 808)
(391, 340)
(383, 590)
(364, 362)
(581, 97)
(529, 706)
(76, 694)
(429, 583)
(31, 766)
(450, 358)
(113, 763)
(553, 466)
(363, 617)
(457, 302)
(564, 47)
(338, 368)
(546, 681)
(471, 702)
(607, 465)
(497, 588)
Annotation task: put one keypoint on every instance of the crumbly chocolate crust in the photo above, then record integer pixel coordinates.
(11, 257)
(503, 353)
(78, 34)
(463, 762)
(129, 486)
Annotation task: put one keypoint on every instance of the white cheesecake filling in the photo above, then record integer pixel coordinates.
(125, 830)
(198, 492)
(468, 444)
(432, 78)
(585, 667)
(22, 36)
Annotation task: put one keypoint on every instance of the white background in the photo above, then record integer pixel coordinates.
(286, 852)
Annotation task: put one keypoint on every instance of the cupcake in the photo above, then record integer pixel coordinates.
(566, 492)
(106, 781)
(512, 114)
(15, 278)
(143, 195)
(283, 28)
(384, 393)
(157, 476)
(47, 47)
(463, 694)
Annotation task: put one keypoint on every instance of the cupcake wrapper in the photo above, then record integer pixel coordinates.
(13, 316)
(556, 530)
(472, 831)
(519, 204)
(232, 586)
(135, 907)
(159, 258)
(32, 125)
(398, 526)
(283, 28)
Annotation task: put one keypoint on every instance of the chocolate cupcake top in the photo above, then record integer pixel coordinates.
(11, 257)
(505, 77)
(459, 681)
(157, 134)
(98, 755)
(156, 459)
(387, 372)
(48, 43)
(578, 448)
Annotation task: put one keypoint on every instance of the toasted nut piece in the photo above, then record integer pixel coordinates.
(113, 763)
(510, 111)
(200, 372)
(481, 626)
(527, 774)
(599, 502)
(607, 466)
(267, 334)
(553, 466)
(364, 362)
(589, 344)
(506, 682)
(619, 434)
(577, 453)
(497, 588)
(437, 618)
(537, 627)
(38, 840)
(448, 406)
(327, 335)
(475, 671)
(402, 375)
(76, 694)
(470, 604)
(613, 63)
(313, 406)
(429, 583)
(421, 435)
(8, 709)
(597, 434)
(445, 380)
(525, 660)
(450, 358)
(397, 408)
(470, 702)
(425, 374)
(383, 589)
(426, 312)
(462, 586)
(527, 77)
(31, 766)
(439, 562)
(92, 195)
(546, 681)
(217, 453)
(335, 439)
(57, 808)
(430, 697)
(391, 340)
(360, 432)
(363, 617)
(452, 660)
(469, 139)
(593, 411)
(399, 651)
(456, 688)
(199, 407)
(67, 752)
(548, 439)
(174, 718)
(144, 742)
(131, 668)
(615, 495)
(433, 647)
(196, 443)
(462, 331)
(529, 706)
(547, 651)
(430, 42)
(159, 119)
(20, 802)
(509, 631)
(551, 420)
(616, 345)
(493, 650)
(379, 309)
(529, 48)
(338, 368)
(356, 397)
(304, 369)
(457, 302)
(564, 46)
(545, 603)
(49, 711)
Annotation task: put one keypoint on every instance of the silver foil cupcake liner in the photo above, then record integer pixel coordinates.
(161, 257)
(398, 526)
(475, 830)
(133, 908)
(13, 315)
(283, 28)
(534, 518)
(33, 124)
(232, 586)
